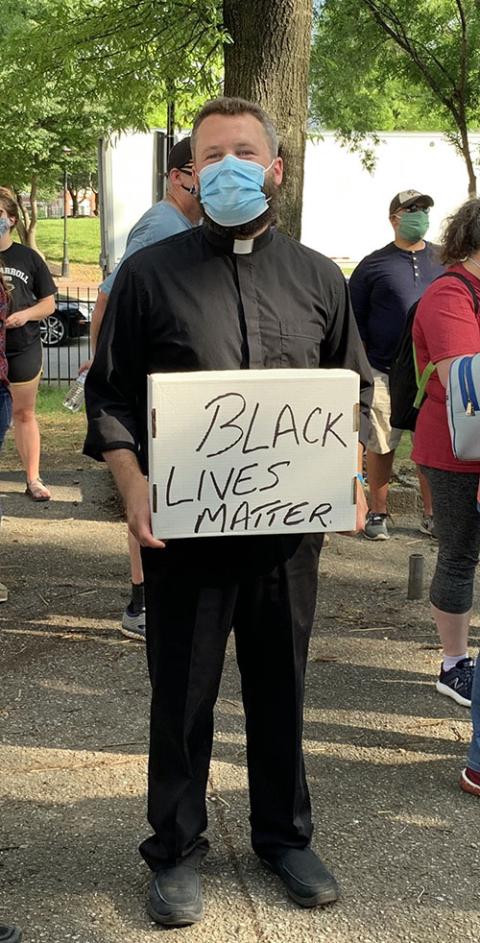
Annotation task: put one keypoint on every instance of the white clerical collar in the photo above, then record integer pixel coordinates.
(243, 246)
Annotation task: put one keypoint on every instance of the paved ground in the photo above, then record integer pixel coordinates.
(383, 750)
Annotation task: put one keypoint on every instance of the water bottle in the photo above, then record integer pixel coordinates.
(76, 394)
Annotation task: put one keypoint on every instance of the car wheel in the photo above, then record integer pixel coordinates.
(53, 331)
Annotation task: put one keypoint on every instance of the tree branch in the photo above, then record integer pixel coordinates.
(400, 37)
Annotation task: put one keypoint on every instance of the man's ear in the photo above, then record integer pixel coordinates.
(173, 176)
(277, 170)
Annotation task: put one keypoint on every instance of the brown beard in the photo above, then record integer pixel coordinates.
(248, 230)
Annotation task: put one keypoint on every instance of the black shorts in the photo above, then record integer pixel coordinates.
(25, 365)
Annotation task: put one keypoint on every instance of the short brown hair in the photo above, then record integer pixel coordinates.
(237, 106)
(9, 203)
(461, 235)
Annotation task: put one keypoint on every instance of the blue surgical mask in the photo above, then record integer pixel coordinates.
(4, 226)
(231, 190)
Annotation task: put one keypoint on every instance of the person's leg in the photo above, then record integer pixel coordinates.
(9, 934)
(5, 411)
(382, 443)
(272, 623)
(379, 471)
(133, 619)
(27, 433)
(453, 629)
(474, 752)
(136, 568)
(425, 493)
(5, 419)
(427, 525)
(458, 529)
(188, 622)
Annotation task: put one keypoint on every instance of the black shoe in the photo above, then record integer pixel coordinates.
(9, 934)
(307, 880)
(175, 896)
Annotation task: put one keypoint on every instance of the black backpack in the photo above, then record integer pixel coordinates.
(407, 386)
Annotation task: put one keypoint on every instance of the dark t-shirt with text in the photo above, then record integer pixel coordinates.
(29, 280)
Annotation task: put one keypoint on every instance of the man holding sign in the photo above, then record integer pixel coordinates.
(235, 294)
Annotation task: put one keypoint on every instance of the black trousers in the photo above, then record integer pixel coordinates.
(195, 590)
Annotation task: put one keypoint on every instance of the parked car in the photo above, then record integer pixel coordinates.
(70, 319)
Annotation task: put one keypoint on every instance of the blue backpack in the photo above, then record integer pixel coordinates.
(463, 407)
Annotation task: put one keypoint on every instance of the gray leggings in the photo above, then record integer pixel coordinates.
(457, 525)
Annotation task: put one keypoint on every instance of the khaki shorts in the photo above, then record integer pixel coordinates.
(382, 438)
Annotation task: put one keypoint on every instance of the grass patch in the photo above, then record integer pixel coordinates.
(83, 236)
(62, 433)
(404, 449)
(50, 401)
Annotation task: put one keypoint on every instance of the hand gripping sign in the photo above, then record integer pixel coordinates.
(252, 452)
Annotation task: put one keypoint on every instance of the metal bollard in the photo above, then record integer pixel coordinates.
(415, 576)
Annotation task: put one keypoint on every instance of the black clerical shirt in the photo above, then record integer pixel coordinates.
(191, 302)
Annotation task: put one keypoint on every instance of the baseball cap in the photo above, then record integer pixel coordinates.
(180, 155)
(407, 198)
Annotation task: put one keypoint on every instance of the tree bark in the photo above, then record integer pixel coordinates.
(74, 198)
(32, 227)
(268, 63)
(467, 156)
(24, 219)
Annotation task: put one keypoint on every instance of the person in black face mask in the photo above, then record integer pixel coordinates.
(233, 293)
(383, 287)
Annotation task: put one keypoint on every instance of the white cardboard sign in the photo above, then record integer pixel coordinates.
(252, 451)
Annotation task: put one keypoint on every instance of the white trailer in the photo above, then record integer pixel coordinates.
(345, 208)
(131, 172)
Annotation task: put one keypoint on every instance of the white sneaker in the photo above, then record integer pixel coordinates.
(133, 626)
(376, 526)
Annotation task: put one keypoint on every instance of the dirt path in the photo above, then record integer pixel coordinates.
(383, 750)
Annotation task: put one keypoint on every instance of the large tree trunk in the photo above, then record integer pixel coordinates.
(268, 63)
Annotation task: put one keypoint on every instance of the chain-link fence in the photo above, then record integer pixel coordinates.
(66, 336)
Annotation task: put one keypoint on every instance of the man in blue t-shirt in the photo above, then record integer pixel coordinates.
(180, 210)
(383, 287)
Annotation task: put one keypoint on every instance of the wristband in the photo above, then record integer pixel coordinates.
(360, 478)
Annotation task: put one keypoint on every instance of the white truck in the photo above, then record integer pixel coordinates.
(131, 177)
(345, 208)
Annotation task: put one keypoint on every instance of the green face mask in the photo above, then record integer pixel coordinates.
(413, 226)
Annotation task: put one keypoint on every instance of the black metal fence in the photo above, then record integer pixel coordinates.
(66, 336)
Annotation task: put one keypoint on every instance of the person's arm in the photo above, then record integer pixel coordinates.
(97, 318)
(446, 318)
(343, 348)
(42, 309)
(443, 367)
(139, 238)
(133, 488)
(95, 325)
(115, 386)
(359, 288)
(116, 381)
